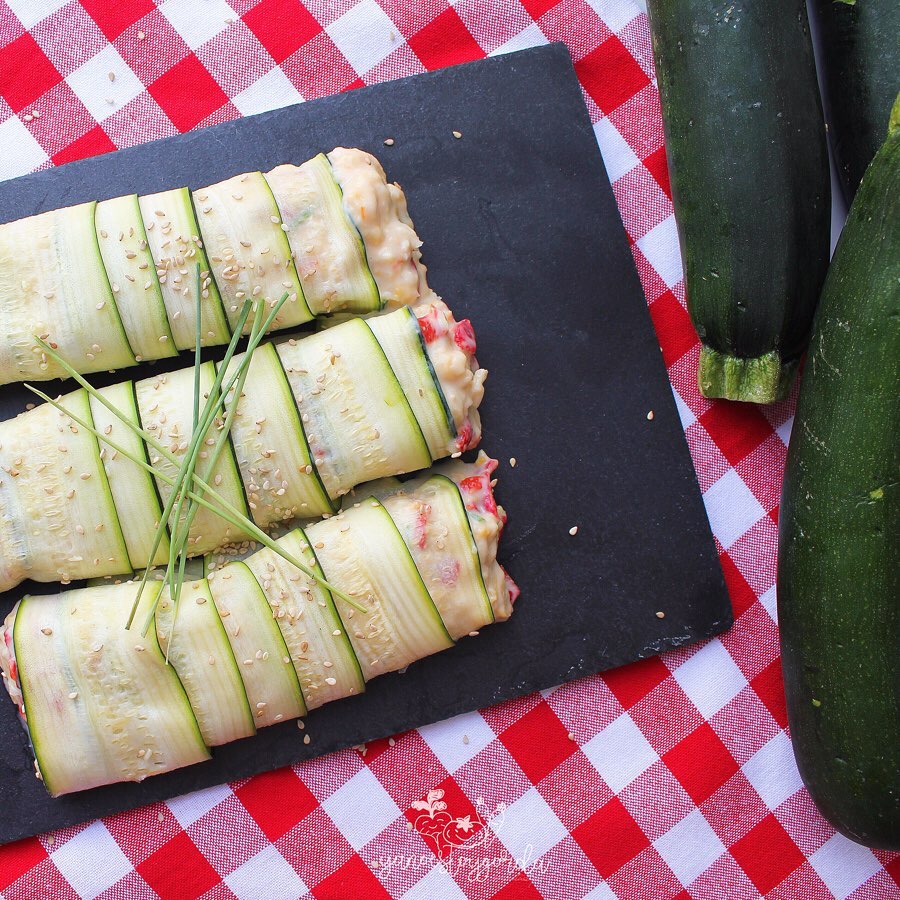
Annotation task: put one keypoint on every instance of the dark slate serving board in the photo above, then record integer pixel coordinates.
(523, 236)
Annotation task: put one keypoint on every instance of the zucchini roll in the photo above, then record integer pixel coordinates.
(112, 283)
(317, 416)
(256, 642)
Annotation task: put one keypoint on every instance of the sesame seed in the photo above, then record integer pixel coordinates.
(512, 462)
(47, 630)
(306, 739)
(457, 134)
(573, 530)
(73, 695)
(650, 415)
(331, 681)
(660, 615)
(84, 476)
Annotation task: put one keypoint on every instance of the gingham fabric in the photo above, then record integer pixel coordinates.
(669, 778)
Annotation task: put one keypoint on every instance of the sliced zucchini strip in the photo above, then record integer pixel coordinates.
(165, 403)
(363, 554)
(194, 641)
(53, 284)
(401, 339)
(249, 252)
(174, 239)
(270, 445)
(258, 645)
(317, 643)
(435, 527)
(100, 702)
(56, 489)
(358, 422)
(133, 488)
(132, 277)
(329, 252)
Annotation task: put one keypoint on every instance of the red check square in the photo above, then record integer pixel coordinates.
(282, 26)
(353, 879)
(701, 762)
(114, 18)
(767, 854)
(178, 870)
(610, 837)
(445, 41)
(539, 742)
(18, 858)
(25, 72)
(769, 687)
(737, 428)
(610, 74)
(277, 801)
(673, 327)
(187, 93)
(630, 683)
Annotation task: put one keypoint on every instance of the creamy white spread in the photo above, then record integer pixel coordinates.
(378, 209)
(451, 349)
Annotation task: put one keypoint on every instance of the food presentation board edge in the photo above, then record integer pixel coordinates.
(522, 235)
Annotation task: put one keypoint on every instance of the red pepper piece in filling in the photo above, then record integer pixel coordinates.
(464, 335)
(426, 323)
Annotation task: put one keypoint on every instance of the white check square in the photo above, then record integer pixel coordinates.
(690, 847)
(361, 808)
(190, 807)
(620, 752)
(365, 34)
(272, 91)
(21, 151)
(618, 157)
(710, 678)
(528, 828)
(266, 876)
(732, 508)
(437, 883)
(198, 21)
(30, 12)
(773, 772)
(102, 95)
(455, 741)
(843, 865)
(660, 246)
(532, 36)
(91, 861)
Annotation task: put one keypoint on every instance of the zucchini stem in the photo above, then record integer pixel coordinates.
(763, 379)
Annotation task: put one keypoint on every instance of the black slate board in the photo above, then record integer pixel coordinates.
(521, 234)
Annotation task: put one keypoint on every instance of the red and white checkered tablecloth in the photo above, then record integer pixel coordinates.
(678, 778)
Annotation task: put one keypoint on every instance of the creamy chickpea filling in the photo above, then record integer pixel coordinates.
(378, 209)
(451, 349)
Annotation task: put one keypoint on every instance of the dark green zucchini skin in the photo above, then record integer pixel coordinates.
(748, 162)
(839, 566)
(860, 44)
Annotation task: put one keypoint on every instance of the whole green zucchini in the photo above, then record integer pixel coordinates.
(838, 583)
(748, 161)
(860, 41)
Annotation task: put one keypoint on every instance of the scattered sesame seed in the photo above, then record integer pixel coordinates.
(650, 415)
(388, 142)
(512, 462)
(47, 630)
(573, 530)
(306, 739)
(457, 134)
(660, 615)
